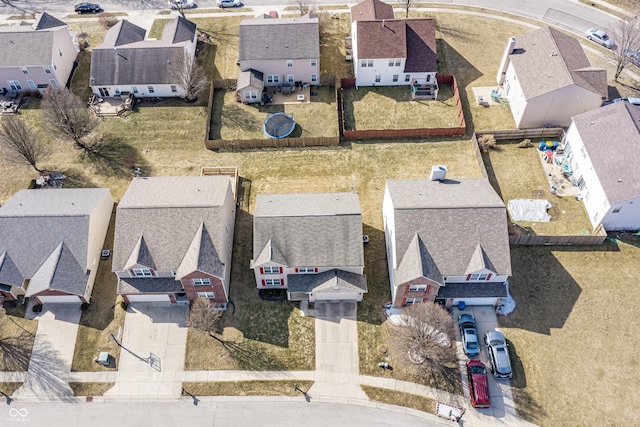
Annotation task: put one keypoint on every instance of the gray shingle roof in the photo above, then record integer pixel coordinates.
(451, 218)
(137, 285)
(546, 60)
(46, 21)
(314, 230)
(169, 213)
(202, 255)
(611, 136)
(416, 263)
(251, 78)
(44, 237)
(12, 47)
(286, 38)
(473, 290)
(125, 58)
(325, 280)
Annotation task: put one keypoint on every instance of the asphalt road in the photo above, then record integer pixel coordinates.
(210, 414)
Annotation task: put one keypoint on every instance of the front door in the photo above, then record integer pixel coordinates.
(104, 92)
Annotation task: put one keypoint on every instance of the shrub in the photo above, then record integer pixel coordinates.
(107, 20)
(525, 143)
(486, 142)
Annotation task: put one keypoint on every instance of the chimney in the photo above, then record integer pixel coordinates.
(438, 173)
(508, 50)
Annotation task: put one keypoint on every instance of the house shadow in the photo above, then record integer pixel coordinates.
(491, 175)
(528, 408)
(370, 309)
(162, 312)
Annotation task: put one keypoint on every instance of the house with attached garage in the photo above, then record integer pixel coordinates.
(127, 63)
(547, 79)
(51, 242)
(174, 238)
(309, 246)
(283, 50)
(35, 57)
(393, 52)
(447, 241)
(602, 147)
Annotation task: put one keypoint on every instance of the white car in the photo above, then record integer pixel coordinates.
(600, 37)
(228, 3)
(184, 4)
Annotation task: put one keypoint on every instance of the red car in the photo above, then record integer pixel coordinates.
(478, 384)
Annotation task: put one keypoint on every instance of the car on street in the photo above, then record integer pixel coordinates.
(228, 3)
(181, 4)
(87, 8)
(469, 335)
(634, 101)
(599, 37)
(478, 384)
(498, 355)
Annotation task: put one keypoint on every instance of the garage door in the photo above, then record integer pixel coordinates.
(336, 296)
(60, 299)
(476, 301)
(149, 298)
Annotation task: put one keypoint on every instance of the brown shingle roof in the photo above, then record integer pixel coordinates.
(370, 10)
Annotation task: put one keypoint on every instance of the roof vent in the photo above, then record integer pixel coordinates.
(438, 173)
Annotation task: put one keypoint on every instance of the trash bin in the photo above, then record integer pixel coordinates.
(462, 305)
(103, 358)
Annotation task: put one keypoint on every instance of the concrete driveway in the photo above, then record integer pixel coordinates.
(152, 350)
(52, 353)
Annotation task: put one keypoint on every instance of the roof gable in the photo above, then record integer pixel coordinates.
(479, 261)
(201, 256)
(178, 30)
(140, 256)
(123, 33)
(416, 262)
(46, 21)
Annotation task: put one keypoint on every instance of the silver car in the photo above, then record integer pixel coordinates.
(599, 37)
(469, 335)
(498, 355)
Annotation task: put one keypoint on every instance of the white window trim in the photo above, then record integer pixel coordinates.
(289, 63)
(271, 270)
(142, 272)
(418, 288)
(314, 78)
(201, 281)
(314, 62)
(54, 83)
(273, 282)
(209, 295)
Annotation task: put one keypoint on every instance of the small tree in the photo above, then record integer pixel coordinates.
(19, 143)
(486, 142)
(65, 116)
(304, 6)
(107, 20)
(406, 4)
(628, 33)
(185, 71)
(203, 316)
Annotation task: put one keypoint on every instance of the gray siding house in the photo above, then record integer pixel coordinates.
(174, 239)
(51, 242)
(285, 50)
(309, 245)
(34, 57)
(127, 63)
(447, 241)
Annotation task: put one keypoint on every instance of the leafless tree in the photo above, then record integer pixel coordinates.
(406, 4)
(185, 71)
(425, 339)
(203, 316)
(107, 20)
(19, 143)
(67, 117)
(628, 42)
(304, 6)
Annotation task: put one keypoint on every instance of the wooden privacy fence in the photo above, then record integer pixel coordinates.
(404, 133)
(593, 239)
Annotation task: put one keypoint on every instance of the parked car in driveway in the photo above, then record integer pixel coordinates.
(87, 8)
(184, 4)
(469, 335)
(478, 384)
(600, 37)
(228, 3)
(498, 354)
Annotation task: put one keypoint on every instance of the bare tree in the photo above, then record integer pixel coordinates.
(628, 43)
(107, 20)
(203, 316)
(185, 71)
(19, 143)
(406, 4)
(425, 339)
(67, 117)
(304, 6)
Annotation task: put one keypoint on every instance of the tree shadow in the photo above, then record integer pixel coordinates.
(112, 156)
(15, 355)
(247, 355)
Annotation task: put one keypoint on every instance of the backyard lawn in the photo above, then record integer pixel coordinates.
(17, 335)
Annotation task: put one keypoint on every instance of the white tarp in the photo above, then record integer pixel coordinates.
(534, 210)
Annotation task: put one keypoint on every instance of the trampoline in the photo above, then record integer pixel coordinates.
(278, 125)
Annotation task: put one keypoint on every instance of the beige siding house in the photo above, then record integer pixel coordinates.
(36, 56)
(547, 79)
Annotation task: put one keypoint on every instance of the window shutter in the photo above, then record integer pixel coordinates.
(263, 283)
(488, 276)
(280, 270)
(282, 282)
(296, 269)
(404, 301)
(262, 271)
(407, 288)
(315, 269)
(424, 300)
(468, 277)
(428, 288)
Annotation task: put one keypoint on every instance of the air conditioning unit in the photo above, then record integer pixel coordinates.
(106, 254)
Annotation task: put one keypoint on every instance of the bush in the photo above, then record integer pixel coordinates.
(486, 142)
(525, 143)
(107, 20)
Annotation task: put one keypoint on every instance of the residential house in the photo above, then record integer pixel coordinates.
(249, 87)
(547, 79)
(284, 50)
(51, 242)
(601, 148)
(393, 52)
(174, 238)
(34, 57)
(309, 245)
(127, 63)
(447, 241)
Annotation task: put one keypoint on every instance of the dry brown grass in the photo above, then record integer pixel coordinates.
(516, 173)
(245, 388)
(17, 335)
(399, 398)
(332, 52)
(90, 389)
(9, 388)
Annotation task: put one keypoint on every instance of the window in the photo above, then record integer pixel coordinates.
(209, 295)
(47, 70)
(173, 273)
(54, 83)
(391, 62)
(581, 184)
(271, 270)
(616, 209)
(142, 272)
(289, 63)
(60, 52)
(417, 288)
(273, 79)
(473, 277)
(306, 270)
(24, 70)
(314, 78)
(370, 63)
(407, 78)
(482, 277)
(150, 89)
(506, 87)
(378, 78)
(363, 63)
(250, 95)
(395, 77)
(116, 92)
(201, 282)
(584, 152)
(32, 84)
(272, 282)
(290, 78)
(134, 89)
(14, 85)
(398, 62)
(174, 89)
(55, 67)
(413, 301)
(314, 62)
